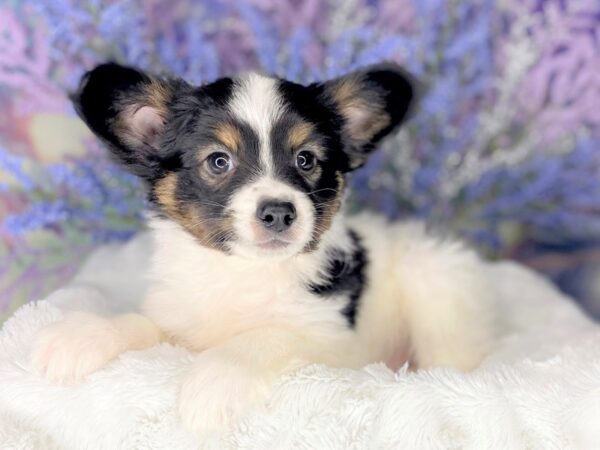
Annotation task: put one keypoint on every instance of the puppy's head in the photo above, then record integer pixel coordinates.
(251, 165)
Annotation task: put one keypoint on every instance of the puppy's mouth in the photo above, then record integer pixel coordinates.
(273, 244)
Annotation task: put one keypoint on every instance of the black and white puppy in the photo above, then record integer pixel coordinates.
(255, 265)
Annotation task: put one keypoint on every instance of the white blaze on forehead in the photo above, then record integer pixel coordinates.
(257, 102)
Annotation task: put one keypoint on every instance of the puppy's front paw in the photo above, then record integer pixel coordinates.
(218, 391)
(69, 350)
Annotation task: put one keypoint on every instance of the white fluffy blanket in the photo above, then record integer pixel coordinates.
(540, 389)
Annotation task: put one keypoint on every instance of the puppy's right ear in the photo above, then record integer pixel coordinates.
(128, 109)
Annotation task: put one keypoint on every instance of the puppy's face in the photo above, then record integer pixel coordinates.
(252, 165)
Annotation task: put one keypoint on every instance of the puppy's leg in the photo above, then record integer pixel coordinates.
(82, 343)
(449, 302)
(225, 381)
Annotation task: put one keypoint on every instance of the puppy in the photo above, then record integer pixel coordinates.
(255, 265)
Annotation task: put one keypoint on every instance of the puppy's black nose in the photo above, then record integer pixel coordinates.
(276, 216)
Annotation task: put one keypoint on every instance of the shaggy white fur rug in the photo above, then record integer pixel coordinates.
(540, 388)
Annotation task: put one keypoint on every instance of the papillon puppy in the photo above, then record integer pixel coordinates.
(255, 265)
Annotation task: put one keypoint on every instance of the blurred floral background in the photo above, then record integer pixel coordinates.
(503, 148)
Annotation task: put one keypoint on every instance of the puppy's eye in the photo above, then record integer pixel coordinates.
(305, 160)
(219, 163)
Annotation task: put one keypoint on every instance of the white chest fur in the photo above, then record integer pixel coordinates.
(201, 297)
(422, 295)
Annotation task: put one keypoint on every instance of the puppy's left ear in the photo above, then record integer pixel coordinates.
(371, 102)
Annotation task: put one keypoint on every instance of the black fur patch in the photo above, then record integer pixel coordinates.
(211, 199)
(103, 94)
(304, 101)
(396, 89)
(325, 192)
(346, 275)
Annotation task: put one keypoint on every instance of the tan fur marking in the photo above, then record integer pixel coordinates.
(346, 90)
(351, 104)
(121, 127)
(377, 121)
(155, 94)
(229, 136)
(158, 95)
(299, 133)
(315, 175)
(327, 212)
(164, 190)
(189, 216)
